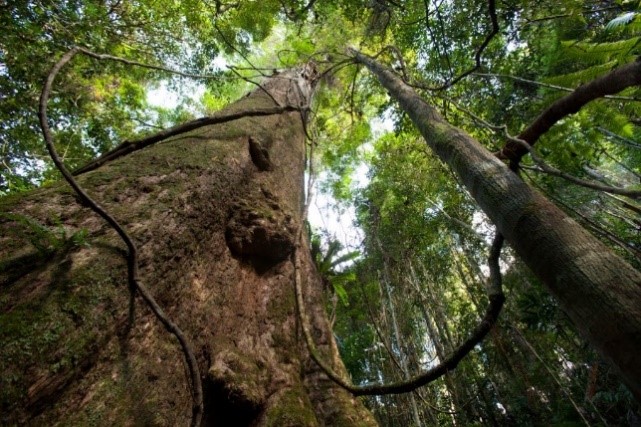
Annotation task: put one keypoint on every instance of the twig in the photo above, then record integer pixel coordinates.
(401, 61)
(101, 56)
(629, 206)
(552, 374)
(298, 14)
(551, 170)
(597, 228)
(234, 48)
(433, 38)
(546, 18)
(623, 165)
(144, 123)
(132, 254)
(477, 55)
(550, 86)
(545, 167)
(250, 81)
(618, 138)
(566, 15)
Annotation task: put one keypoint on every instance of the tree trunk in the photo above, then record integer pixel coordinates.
(215, 214)
(598, 290)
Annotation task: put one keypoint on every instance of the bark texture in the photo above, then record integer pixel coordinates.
(215, 213)
(599, 291)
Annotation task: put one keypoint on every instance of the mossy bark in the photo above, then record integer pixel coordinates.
(215, 229)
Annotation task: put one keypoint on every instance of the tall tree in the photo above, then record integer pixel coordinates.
(217, 214)
(599, 291)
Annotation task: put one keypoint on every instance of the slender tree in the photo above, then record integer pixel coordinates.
(598, 290)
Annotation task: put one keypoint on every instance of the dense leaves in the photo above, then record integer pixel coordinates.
(96, 105)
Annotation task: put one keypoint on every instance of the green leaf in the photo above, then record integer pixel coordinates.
(341, 293)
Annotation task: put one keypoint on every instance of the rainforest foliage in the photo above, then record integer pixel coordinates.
(408, 285)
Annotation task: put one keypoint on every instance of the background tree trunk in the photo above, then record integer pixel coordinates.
(598, 290)
(215, 214)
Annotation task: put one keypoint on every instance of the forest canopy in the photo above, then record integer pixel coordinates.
(539, 84)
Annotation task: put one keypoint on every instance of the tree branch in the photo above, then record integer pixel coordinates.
(141, 64)
(618, 138)
(549, 85)
(433, 38)
(612, 82)
(477, 55)
(550, 170)
(131, 146)
(132, 254)
(545, 167)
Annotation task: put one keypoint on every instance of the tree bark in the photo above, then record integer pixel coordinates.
(215, 213)
(598, 290)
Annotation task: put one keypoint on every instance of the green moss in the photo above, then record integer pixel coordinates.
(9, 200)
(292, 409)
(46, 240)
(58, 329)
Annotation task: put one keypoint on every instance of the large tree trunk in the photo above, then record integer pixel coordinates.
(598, 290)
(215, 214)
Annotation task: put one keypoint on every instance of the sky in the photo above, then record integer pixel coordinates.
(338, 220)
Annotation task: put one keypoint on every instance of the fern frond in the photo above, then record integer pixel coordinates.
(582, 76)
(605, 50)
(621, 21)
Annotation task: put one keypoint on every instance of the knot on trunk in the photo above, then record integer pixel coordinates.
(258, 228)
(259, 155)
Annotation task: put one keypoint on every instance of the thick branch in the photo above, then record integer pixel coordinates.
(613, 82)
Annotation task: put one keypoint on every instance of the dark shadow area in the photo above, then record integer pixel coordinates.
(225, 408)
(14, 269)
